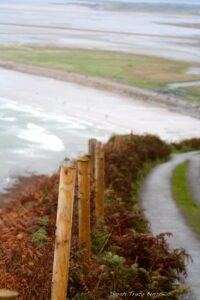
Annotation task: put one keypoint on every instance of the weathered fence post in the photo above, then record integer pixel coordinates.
(110, 146)
(91, 150)
(63, 233)
(84, 204)
(91, 146)
(91, 169)
(118, 143)
(8, 295)
(98, 148)
(99, 186)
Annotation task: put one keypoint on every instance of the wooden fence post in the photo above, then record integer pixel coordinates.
(118, 143)
(91, 146)
(99, 186)
(98, 148)
(91, 168)
(110, 146)
(63, 233)
(84, 204)
(8, 295)
(91, 151)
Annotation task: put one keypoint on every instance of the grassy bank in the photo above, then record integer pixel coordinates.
(138, 70)
(183, 197)
(126, 257)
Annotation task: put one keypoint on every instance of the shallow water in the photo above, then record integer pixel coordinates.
(43, 120)
(193, 70)
(36, 141)
(183, 84)
(73, 25)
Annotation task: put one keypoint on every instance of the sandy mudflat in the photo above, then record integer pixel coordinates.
(43, 119)
(64, 24)
(118, 112)
(188, 108)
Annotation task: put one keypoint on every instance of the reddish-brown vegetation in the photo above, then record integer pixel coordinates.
(188, 144)
(26, 265)
(126, 257)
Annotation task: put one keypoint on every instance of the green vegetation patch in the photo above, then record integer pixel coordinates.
(182, 195)
(193, 93)
(186, 145)
(138, 70)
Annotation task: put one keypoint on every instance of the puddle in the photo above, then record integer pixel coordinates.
(193, 70)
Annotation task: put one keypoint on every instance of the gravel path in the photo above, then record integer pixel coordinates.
(164, 216)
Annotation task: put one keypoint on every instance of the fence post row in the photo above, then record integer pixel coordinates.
(84, 204)
(90, 168)
(63, 233)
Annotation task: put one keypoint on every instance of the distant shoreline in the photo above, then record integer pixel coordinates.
(170, 102)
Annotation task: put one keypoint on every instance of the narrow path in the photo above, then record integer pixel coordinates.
(164, 216)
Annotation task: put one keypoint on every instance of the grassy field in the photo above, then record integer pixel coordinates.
(184, 199)
(138, 70)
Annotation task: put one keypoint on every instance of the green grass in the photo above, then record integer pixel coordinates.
(190, 93)
(182, 195)
(193, 93)
(138, 70)
(40, 237)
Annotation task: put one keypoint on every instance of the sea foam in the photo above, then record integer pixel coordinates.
(37, 134)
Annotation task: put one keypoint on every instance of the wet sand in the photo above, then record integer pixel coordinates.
(60, 116)
(172, 103)
(119, 112)
(81, 26)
